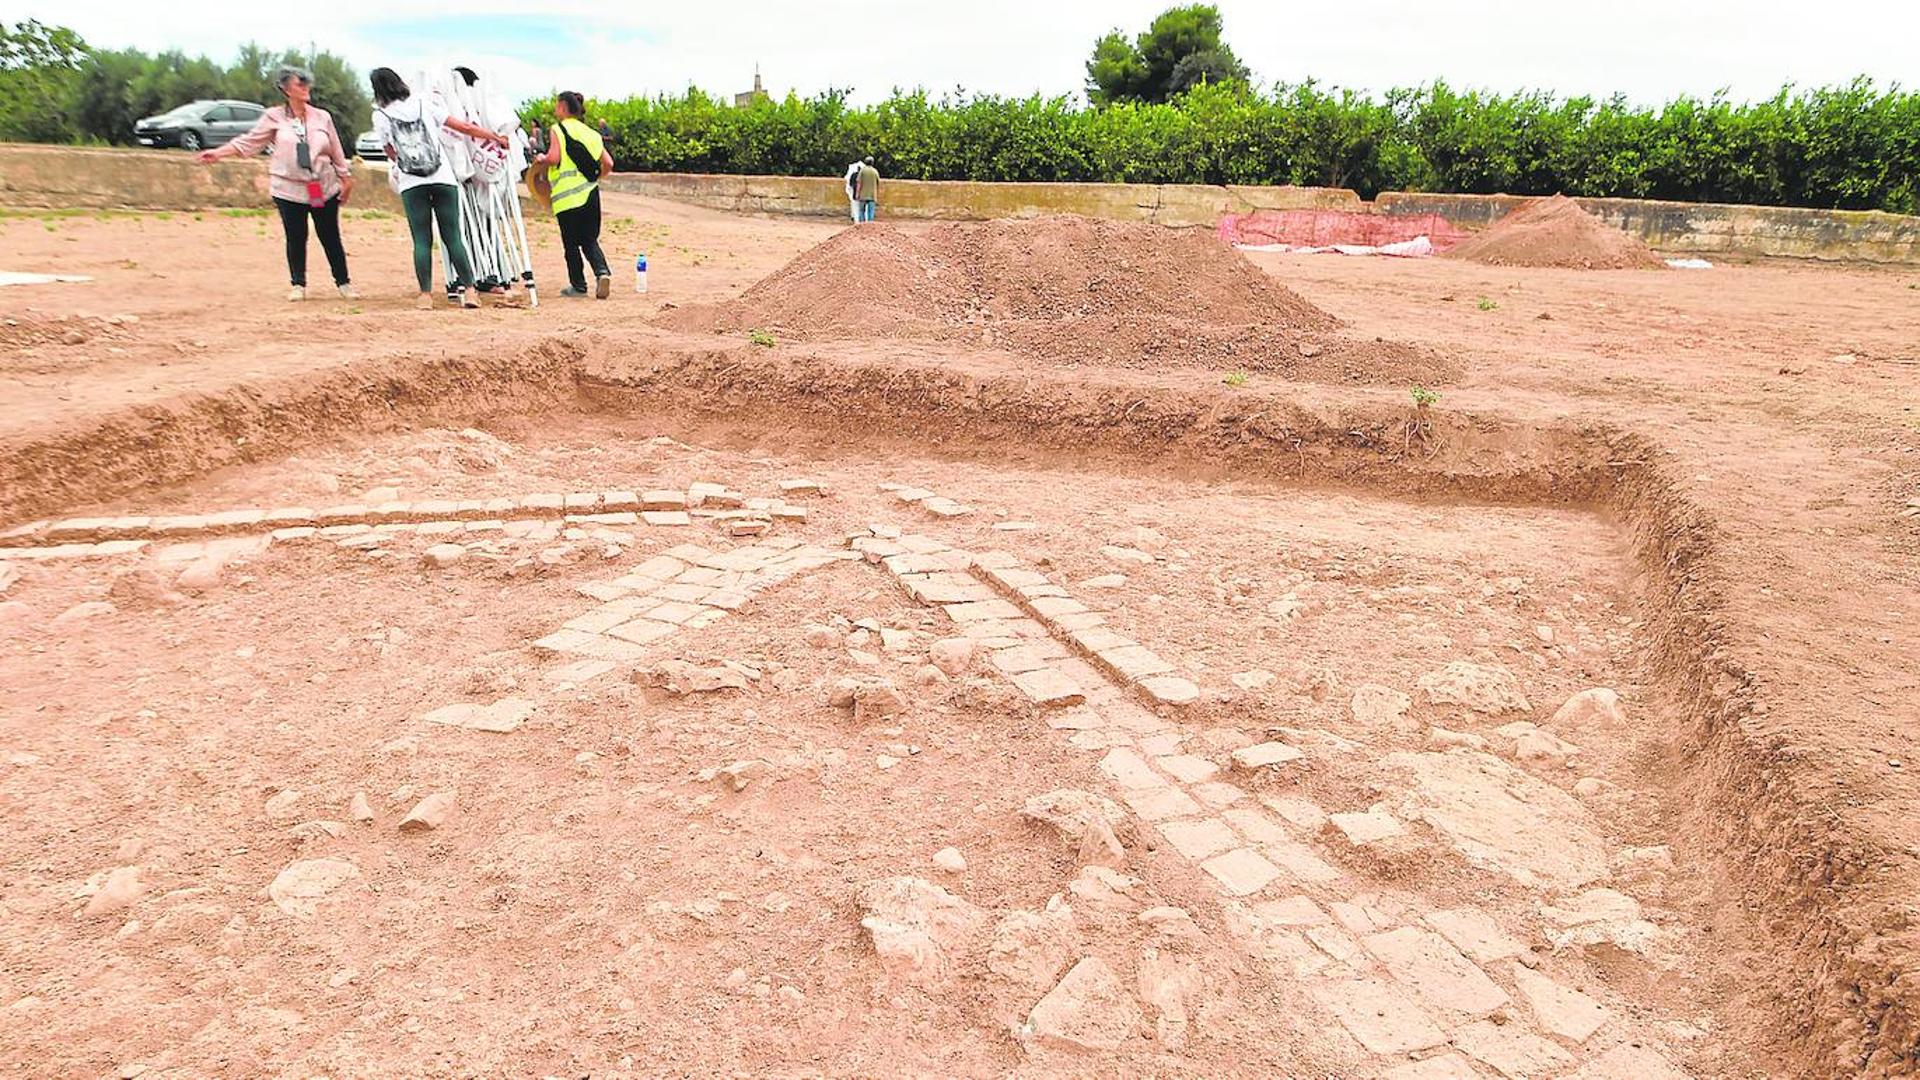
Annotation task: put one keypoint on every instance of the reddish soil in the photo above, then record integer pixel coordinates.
(1556, 232)
(1062, 291)
(1748, 438)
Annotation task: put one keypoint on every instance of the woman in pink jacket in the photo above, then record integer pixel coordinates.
(310, 176)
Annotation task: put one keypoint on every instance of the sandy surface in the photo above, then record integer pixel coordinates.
(594, 905)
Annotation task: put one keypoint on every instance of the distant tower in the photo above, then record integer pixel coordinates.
(758, 93)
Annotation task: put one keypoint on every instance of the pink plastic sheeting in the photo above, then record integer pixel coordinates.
(1325, 228)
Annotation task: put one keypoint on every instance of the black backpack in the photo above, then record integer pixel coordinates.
(577, 153)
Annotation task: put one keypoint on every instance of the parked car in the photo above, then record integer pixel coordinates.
(198, 125)
(369, 147)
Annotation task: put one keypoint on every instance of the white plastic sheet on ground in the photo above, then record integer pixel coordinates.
(1690, 264)
(1417, 248)
(15, 277)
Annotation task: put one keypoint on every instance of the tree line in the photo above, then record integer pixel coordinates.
(1172, 105)
(55, 88)
(1853, 147)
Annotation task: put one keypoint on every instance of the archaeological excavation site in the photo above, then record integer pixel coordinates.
(1049, 647)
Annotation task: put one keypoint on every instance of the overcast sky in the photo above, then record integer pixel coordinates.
(1648, 49)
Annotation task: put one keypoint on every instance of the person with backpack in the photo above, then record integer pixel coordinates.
(576, 160)
(309, 178)
(411, 128)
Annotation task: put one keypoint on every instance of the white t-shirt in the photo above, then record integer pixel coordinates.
(409, 110)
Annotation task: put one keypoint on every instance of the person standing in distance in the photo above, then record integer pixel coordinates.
(576, 161)
(868, 189)
(853, 190)
(309, 177)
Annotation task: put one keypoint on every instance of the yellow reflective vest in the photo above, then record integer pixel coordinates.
(571, 190)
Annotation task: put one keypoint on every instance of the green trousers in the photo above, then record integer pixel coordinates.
(425, 205)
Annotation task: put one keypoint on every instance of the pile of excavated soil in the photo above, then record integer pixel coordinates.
(1557, 232)
(1065, 291)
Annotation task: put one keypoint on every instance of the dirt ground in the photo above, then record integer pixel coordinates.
(1434, 892)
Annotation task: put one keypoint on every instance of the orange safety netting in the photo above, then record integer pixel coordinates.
(1324, 228)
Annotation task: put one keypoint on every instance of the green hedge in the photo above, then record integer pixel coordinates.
(1853, 147)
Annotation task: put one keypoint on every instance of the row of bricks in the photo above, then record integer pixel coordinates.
(713, 498)
(1085, 630)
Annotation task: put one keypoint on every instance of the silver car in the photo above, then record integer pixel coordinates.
(198, 125)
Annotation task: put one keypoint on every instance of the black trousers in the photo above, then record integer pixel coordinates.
(326, 225)
(580, 235)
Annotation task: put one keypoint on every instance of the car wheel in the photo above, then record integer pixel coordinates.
(190, 141)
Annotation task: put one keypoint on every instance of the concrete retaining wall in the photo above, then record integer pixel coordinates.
(1704, 228)
(964, 200)
(1707, 228)
(101, 178)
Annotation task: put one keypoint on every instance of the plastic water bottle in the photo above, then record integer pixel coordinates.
(640, 273)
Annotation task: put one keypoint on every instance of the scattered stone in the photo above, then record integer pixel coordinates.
(429, 813)
(1266, 755)
(1257, 679)
(1501, 818)
(680, 678)
(953, 655)
(1090, 824)
(281, 806)
(1121, 554)
(1241, 873)
(1049, 688)
(299, 889)
(441, 556)
(1031, 948)
(502, 716)
(1105, 581)
(1479, 688)
(918, 928)
(1474, 932)
(1561, 1011)
(1090, 1009)
(1589, 786)
(1536, 745)
(737, 776)
(1144, 538)
(1371, 827)
(1379, 707)
(81, 612)
(1601, 917)
(1591, 710)
(1446, 740)
(1511, 1050)
(1170, 690)
(122, 887)
(950, 860)
(1381, 1016)
(358, 808)
(1434, 969)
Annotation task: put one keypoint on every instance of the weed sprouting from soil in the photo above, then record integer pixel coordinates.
(1235, 379)
(1489, 305)
(1419, 425)
(761, 338)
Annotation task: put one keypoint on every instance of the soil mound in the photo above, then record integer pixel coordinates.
(1557, 232)
(1064, 291)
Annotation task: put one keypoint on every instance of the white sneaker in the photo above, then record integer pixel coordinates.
(298, 292)
(348, 292)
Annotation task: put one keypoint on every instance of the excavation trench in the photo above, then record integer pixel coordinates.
(1765, 864)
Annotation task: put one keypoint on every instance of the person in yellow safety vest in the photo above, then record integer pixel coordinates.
(576, 160)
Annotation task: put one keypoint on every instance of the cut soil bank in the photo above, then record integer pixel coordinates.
(1062, 291)
(1557, 232)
